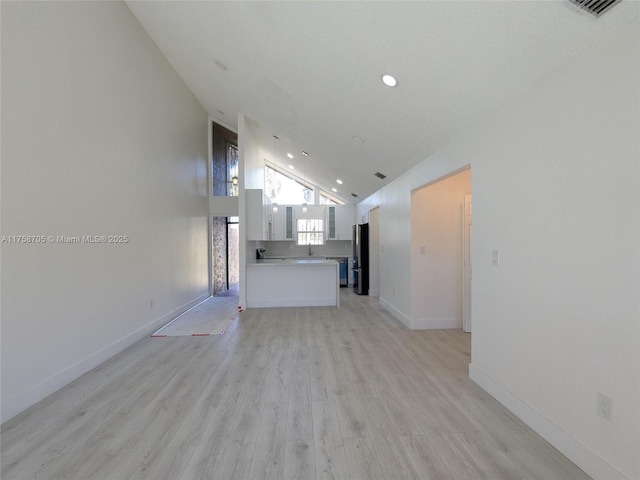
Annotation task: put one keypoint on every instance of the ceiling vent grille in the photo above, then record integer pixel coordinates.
(380, 175)
(595, 7)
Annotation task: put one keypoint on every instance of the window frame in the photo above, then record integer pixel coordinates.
(331, 199)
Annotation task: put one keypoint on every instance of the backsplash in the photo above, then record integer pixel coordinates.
(290, 249)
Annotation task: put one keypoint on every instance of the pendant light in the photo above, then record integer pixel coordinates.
(275, 205)
(304, 205)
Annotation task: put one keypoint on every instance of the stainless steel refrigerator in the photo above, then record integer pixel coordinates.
(361, 259)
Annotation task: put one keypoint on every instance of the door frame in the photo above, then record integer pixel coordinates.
(467, 283)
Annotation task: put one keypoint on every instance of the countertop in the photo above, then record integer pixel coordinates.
(293, 261)
(306, 257)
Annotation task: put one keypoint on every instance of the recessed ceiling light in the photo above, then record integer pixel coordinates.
(305, 153)
(389, 80)
(221, 65)
(334, 190)
(291, 167)
(358, 139)
(289, 155)
(339, 182)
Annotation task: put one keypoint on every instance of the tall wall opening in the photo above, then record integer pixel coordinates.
(437, 252)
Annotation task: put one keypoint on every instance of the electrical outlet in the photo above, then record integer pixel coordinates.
(150, 303)
(605, 406)
(495, 257)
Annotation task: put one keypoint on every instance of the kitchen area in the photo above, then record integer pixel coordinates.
(299, 255)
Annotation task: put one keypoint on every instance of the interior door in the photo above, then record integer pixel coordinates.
(466, 274)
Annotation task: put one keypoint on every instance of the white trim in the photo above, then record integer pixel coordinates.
(435, 324)
(28, 398)
(209, 192)
(584, 458)
(406, 321)
(374, 293)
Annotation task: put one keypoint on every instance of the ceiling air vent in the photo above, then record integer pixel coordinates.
(595, 7)
(354, 195)
(380, 175)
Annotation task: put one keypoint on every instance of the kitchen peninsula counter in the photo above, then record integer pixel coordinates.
(293, 282)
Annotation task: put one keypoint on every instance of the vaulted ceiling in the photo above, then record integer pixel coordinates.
(310, 72)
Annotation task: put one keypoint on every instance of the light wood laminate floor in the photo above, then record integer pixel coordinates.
(286, 393)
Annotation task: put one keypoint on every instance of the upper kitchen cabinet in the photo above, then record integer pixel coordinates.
(289, 224)
(259, 215)
(264, 224)
(284, 222)
(281, 220)
(340, 220)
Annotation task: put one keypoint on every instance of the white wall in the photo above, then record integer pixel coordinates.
(436, 252)
(251, 174)
(556, 188)
(254, 156)
(99, 137)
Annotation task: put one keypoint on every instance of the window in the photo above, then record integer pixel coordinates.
(285, 190)
(232, 170)
(232, 176)
(310, 231)
(327, 200)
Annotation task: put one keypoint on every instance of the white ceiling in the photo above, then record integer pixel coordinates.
(310, 72)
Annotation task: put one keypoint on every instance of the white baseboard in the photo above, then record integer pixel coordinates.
(420, 323)
(435, 323)
(571, 448)
(20, 402)
(374, 293)
(406, 321)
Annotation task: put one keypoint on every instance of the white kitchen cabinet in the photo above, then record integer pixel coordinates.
(277, 232)
(259, 215)
(289, 223)
(283, 223)
(293, 283)
(265, 224)
(331, 223)
(340, 221)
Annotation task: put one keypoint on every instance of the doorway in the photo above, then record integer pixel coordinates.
(225, 238)
(437, 253)
(225, 255)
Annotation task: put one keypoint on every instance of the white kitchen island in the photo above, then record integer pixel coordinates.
(293, 283)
